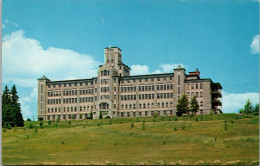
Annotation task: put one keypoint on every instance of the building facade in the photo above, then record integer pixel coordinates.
(117, 94)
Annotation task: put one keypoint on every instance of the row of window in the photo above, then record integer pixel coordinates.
(197, 94)
(146, 105)
(164, 95)
(54, 101)
(54, 93)
(70, 109)
(86, 99)
(195, 86)
(69, 84)
(147, 79)
(104, 89)
(134, 114)
(86, 92)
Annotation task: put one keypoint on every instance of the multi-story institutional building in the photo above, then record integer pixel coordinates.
(117, 94)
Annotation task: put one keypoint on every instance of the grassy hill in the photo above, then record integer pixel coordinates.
(163, 140)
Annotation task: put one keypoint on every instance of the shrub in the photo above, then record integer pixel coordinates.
(132, 125)
(35, 129)
(175, 128)
(27, 136)
(69, 122)
(7, 125)
(155, 115)
(164, 142)
(143, 126)
(73, 117)
(162, 118)
(84, 126)
(49, 122)
(80, 116)
(62, 142)
(155, 120)
(100, 115)
(15, 128)
(99, 124)
(30, 126)
(4, 129)
(191, 115)
(175, 118)
(41, 123)
(58, 119)
(183, 127)
(196, 119)
(137, 119)
(29, 119)
(55, 125)
(107, 117)
(231, 121)
(110, 121)
(225, 125)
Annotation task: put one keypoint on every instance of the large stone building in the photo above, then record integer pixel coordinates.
(117, 94)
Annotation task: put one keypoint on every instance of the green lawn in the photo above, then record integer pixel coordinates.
(98, 142)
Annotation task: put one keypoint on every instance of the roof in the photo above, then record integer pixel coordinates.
(179, 68)
(199, 80)
(147, 76)
(124, 65)
(72, 81)
(218, 85)
(113, 47)
(44, 78)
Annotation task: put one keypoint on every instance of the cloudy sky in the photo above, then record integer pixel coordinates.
(65, 39)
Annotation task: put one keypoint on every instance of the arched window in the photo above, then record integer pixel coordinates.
(140, 106)
(126, 106)
(158, 105)
(166, 104)
(170, 104)
(162, 105)
(122, 106)
(144, 105)
(152, 105)
(130, 106)
(201, 104)
(148, 105)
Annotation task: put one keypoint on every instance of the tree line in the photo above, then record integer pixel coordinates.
(11, 109)
(249, 108)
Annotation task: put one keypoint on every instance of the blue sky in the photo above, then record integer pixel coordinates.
(65, 39)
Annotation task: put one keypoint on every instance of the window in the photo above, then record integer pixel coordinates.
(201, 104)
(179, 90)
(197, 86)
(197, 94)
(201, 87)
(201, 94)
(178, 79)
(192, 86)
(188, 86)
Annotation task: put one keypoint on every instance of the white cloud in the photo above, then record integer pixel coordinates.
(24, 60)
(232, 102)
(139, 70)
(164, 68)
(254, 47)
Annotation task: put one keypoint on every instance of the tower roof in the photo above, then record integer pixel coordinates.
(44, 78)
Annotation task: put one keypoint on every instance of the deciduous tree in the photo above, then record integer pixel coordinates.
(183, 105)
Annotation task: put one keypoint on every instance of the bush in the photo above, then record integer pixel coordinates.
(155, 120)
(4, 129)
(175, 118)
(49, 122)
(29, 119)
(69, 122)
(196, 119)
(107, 117)
(155, 115)
(164, 142)
(55, 125)
(84, 126)
(143, 126)
(62, 142)
(191, 115)
(175, 128)
(7, 125)
(30, 126)
(41, 123)
(183, 127)
(35, 129)
(15, 128)
(162, 118)
(137, 119)
(132, 125)
(110, 121)
(99, 124)
(100, 115)
(73, 117)
(58, 119)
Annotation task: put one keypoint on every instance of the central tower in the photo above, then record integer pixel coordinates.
(107, 80)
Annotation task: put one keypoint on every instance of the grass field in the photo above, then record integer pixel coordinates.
(159, 141)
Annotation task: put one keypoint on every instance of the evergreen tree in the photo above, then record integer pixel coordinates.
(248, 108)
(11, 108)
(194, 105)
(100, 115)
(91, 115)
(256, 110)
(6, 97)
(183, 105)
